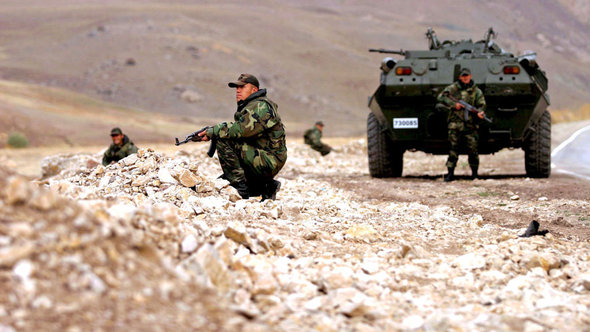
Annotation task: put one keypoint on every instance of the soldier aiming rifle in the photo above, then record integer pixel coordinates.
(252, 149)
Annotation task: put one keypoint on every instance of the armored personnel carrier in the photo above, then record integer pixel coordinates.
(403, 116)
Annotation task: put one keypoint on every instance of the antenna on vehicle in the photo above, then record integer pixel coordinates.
(490, 34)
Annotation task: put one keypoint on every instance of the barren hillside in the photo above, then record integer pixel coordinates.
(311, 56)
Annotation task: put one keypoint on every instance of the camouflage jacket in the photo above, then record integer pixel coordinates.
(313, 137)
(115, 152)
(257, 123)
(469, 93)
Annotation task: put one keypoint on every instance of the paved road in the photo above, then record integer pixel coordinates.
(573, 155)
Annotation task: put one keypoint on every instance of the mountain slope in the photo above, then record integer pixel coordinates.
(311, 56)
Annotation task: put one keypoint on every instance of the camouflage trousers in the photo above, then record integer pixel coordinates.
(242, 162)
(470, 139)
(323, 149)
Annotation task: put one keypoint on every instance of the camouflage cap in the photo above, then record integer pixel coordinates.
(243, 80)
(465, 71)
(116, 131)
(319, 123)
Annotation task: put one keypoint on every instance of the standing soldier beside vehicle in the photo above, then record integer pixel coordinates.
(462, 125)
(121, 147)
(313, 136)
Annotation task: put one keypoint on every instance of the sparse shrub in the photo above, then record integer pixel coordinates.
(17, 140)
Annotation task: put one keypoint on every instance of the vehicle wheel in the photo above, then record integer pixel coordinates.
(537, 149)
(385, 158)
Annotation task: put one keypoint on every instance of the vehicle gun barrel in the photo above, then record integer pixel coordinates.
(383, 50)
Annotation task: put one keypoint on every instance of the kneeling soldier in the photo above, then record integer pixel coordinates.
(121, 147)
(313, 136)
(252, 149)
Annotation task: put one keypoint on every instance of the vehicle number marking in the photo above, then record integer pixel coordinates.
(405, 123)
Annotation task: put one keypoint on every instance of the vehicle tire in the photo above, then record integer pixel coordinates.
(537, 149)
(385, 158)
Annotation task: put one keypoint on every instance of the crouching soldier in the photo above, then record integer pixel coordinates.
(121, 147)
(252, 149)
(313, 136)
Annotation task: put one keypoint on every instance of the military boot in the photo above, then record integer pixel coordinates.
(242, 189)
(473, 172)
(271, 190)
(450, 175)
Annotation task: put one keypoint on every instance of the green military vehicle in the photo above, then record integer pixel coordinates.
(403, 116)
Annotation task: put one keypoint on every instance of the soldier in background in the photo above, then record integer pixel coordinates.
(459, 127)
(252, 149)
(313, 136)
(121, 147)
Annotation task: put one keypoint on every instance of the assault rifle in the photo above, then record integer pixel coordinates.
(194, 137)
(467, 108)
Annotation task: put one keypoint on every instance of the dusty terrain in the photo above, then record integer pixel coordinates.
(156, 242)
(338, 251)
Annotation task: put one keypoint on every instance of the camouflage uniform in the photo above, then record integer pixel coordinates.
(252, 149)
(458, 126)
(312, 137)
(115, 152)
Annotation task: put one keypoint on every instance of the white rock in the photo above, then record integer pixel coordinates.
(23, 269)
(220, 184)
(165, 177)
(129, 160)
(370, 265)
(260, 271)
(583, 282)
(122, 211)
(362, 232)
(213, 203)
(5, 241)
(189, 244)
(6, 328)
(542, 198)
(188, 179)
(413, 322)
(514, 197)
(18, 190)
(104, 181)
(470, 261)
(96, 284)
(215, 268)
(314, 304)
(338, 277)
(43, 302)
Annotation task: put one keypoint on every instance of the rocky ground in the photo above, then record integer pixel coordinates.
(132, 245)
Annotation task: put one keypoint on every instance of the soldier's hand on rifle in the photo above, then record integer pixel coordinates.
(203, 136)
(480, 114)
(458, 106)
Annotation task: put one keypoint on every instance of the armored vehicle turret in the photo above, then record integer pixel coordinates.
(403, 116)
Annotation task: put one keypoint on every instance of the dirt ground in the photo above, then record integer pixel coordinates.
(342, 240)
(572, 222)
(502, 177)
